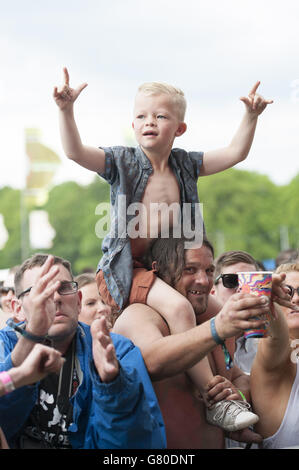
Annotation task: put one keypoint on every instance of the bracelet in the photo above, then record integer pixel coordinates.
(26, 334)
(227, 357)
(5, 378)
(242, 395)
(214, 333)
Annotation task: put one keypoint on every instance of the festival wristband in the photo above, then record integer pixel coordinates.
(242, 395)
(26, 334)
(214, 333)
(7, 382)
(227, 357)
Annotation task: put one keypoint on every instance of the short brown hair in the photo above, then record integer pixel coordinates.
(36, 260)
(169, 254)
(229, 258)
(84, 279)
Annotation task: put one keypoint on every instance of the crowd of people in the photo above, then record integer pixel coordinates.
(148, 351)
(37, 354)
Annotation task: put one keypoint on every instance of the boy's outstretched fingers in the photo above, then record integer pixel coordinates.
(255, 103)
(65, 96)
(104, 354)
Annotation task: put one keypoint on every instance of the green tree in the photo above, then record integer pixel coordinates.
(71, 210)
(242, 207)
(10, 199)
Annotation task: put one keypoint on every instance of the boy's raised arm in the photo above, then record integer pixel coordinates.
(218, 160)
(91, 158)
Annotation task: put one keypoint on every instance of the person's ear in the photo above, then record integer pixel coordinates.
(155, 266)
(18, 312)
(181, 129)
(213, 291)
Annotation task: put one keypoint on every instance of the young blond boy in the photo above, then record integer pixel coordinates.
(154, 173)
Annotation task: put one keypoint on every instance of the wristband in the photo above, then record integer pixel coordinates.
(227, 357)
(7, 382)
(242, 395)
(26, 334)
(214, 333)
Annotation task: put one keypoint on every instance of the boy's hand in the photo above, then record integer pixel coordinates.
(255, 104)
(66, 96)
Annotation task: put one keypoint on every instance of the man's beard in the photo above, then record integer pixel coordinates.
(200, 307)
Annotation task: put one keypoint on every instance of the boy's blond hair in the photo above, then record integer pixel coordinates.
(177, 95)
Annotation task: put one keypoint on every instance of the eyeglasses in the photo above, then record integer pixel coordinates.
(5, 290)
(230, 281)
(292, 290)
(65, 288)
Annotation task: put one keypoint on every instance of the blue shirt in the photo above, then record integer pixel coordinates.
(122, 414)
(127, 170)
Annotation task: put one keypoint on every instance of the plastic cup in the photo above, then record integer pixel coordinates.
(256, 283)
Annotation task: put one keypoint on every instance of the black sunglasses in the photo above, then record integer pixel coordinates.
(292, 290)
(230, 281)
(5, 290)
(65, 288)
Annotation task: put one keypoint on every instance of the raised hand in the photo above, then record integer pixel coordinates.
(104, 354)
(65, 96)
(40, 305)
(255, 104)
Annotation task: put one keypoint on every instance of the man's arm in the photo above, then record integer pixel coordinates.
(218, 160)
(91, 158)
(165, 355)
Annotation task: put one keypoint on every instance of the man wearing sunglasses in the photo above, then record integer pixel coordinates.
(227, 265)
(168, 357)
(275, 372)
(102, 399)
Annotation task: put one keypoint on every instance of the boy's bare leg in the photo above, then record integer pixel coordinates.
(179, 315)
(104, 354)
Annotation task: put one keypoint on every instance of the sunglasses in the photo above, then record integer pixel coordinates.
(292, 290)
(5, 290)
(65, 288)
(230, 281)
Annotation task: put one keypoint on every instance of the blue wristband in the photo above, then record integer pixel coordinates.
(26, 334)
(214, 333)
(227, 357)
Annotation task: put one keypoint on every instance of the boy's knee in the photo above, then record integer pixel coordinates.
(183, 311)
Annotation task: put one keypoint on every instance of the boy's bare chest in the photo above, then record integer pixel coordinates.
(161, 188)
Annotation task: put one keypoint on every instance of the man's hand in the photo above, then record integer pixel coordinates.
(104, 354)
(255, 104)
(40, 307)
(65, 96)
(240, 312)
(220, 388)
(40, 362)
(245, 435)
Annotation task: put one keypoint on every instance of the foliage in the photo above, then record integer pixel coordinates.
(242, 210)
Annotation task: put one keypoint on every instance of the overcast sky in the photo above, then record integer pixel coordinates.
(214, 50)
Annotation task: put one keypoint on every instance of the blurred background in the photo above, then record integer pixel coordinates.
(215, 51)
